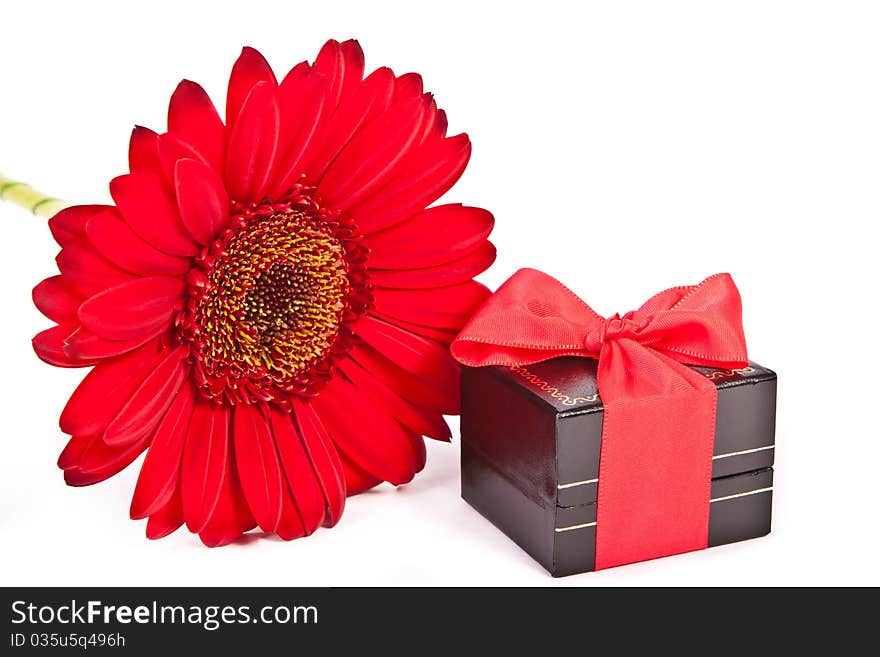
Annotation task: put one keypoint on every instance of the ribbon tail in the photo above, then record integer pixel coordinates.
(655, 467)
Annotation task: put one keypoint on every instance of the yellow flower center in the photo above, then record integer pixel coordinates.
(268, 301)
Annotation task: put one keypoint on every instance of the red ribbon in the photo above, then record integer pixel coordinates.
(658, 429)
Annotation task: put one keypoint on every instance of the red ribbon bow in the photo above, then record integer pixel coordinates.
(658, 428)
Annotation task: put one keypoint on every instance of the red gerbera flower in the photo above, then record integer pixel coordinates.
(268, 305)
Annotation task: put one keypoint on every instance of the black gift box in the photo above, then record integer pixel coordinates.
(530, 445)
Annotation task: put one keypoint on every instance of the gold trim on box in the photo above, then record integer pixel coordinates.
(717, 499)
(746, 494)
(743, 452)
(718, 456)
(568, 400)
(545, 386)
(577, 483)
(570, 527)
(723, 374)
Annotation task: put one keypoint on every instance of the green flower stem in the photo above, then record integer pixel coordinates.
(27, 197)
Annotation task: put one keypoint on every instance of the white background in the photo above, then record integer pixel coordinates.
(624, 147)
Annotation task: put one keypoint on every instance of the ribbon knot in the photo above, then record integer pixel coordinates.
(658, 427)
(613, 328)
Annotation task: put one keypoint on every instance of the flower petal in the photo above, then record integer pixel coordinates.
(367, 100)
(167, 519)
(441, 307)
(86, 272)
(299, 71)
(291, 526)
(368, 435)
(70, 455)
(205, 466)
(171, 151)
(69, 225)
(117, 242)
(422, 178)
(49, 345)
(160, 472)
(371, 156)
(418, 448)
(300, 476)
(431, 116)
(437, 395)
(408, 85)
(324, 458)
(343, 64)
(258, 467)
(303, 104)
(99, 461)
(132, 309)
(143, 151)
(193, 118)
(449, 273)
(201, 199)
(97, 457)
(147, 405)
(231, 516)
(418, 420)
(152, 213)
(102, 393)
(425, 359)
(249, 69)
(441, 123)
(253, 144)
(56, 300)
(357, 480)
(82, 344)
(442, 335)
(436, 236)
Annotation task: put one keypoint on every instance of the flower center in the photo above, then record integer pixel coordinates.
(270, 299)
(285, 300)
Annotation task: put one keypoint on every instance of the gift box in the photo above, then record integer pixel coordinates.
(530, 447)
(595, 442)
